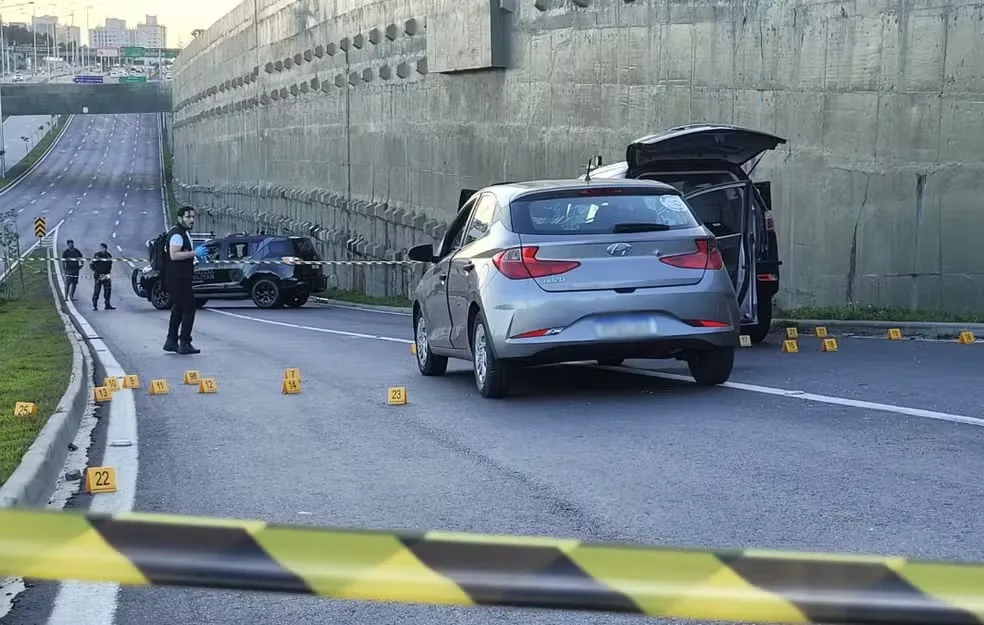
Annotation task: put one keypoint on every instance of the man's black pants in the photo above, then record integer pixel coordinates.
(182, 311)
(107, 288)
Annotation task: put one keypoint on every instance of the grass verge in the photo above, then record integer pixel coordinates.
(874, 313)
(172, 201)
(36, 364)
(34, 155)
(355, 297)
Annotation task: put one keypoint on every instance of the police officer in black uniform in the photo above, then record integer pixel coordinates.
(102, 270)
(179, 271)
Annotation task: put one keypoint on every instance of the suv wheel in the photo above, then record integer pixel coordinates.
(492, 375)
(712, 366)
(159, 297)
(266, 293)
(428, 362)
(297, 300)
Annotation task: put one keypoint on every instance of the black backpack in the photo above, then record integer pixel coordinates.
(159, 256)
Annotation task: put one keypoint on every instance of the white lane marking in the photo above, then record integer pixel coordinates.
(114, 235)
(33, 201)
(117, 222)
(357, 335)
(96, 603)
(118, 248)
(754, 388)
(823, 399)
(43, 192)
(71, 211)
(122, 203)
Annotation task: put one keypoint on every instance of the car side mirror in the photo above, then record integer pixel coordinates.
(421, 253)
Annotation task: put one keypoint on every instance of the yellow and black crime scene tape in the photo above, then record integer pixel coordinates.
(233, 262)
(482, 570)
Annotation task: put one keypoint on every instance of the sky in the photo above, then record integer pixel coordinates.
(180, 16)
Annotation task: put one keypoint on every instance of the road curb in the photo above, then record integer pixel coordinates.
(35, 478)
(923, 329)
(379, 307)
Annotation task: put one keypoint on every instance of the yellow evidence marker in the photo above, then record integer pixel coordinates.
(207, 385)
(25, 409)
(396, 395)
(112, 383)
(413, 348)
(829, 345)
(100, 480)
(789, 346)
(744, 340)
(894, 334)
(966, 338)
(131, 381)
(158, 387)
(292, 374)
(102, 393)
(792, 333)
(290, 386)
(820, 332)
(192, 377)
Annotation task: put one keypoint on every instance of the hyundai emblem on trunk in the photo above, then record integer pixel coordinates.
(619, 249)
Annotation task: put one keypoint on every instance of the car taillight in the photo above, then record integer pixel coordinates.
(521, 263)
(706, 323)
(707, 256)
(770, 223)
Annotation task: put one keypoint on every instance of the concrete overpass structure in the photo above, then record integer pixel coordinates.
(92, 99)
(361, 120)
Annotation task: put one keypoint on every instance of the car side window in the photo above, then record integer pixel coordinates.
(455, 232)
(237, 250)
(481, 220)
(212, 252)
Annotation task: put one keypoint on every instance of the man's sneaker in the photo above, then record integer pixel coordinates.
(188, 348)
(110, 307)
(171, 346)
(95, 306)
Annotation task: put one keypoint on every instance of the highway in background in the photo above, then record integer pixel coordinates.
(580, 451)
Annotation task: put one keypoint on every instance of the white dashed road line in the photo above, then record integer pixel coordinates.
(753, 388)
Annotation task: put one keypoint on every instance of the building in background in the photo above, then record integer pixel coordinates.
(68, 35)
(150, 34)
(115, 34)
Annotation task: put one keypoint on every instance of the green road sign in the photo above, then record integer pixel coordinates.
(133, 79)
(132, 52)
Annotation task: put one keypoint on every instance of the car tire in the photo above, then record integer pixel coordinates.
(297, 300)
(159, 297)
(711, 366)
(492, 375)
(200, 303)
(429, 363)
(611, 362)
(266, 293)
(760, 331)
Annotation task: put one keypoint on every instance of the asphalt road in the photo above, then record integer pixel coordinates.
(580, 452)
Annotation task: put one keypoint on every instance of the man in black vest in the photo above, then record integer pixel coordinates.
(179, 271)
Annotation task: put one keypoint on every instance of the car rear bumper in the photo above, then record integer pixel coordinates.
(669, 322)
(314, 284)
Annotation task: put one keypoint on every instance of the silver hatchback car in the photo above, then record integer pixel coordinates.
(545, 272)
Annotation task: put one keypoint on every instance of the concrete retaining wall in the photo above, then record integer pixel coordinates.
(332, 116)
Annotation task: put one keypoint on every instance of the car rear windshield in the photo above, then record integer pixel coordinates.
(300, 248)
(600, 213)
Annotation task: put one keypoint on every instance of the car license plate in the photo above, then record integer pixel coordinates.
(623, 328)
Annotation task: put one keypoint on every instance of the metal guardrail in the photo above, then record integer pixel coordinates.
(485, 570)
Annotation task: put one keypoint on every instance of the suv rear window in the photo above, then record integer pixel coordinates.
(599, 213)
(304, 249)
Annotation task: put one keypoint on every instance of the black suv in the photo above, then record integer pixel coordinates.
(268, 285)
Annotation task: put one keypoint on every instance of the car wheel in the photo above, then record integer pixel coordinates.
(200, 303)
(712, 366)
(266, 293)
(611, 362)
(491, 374)
(760, 331)
(428, 362)
(159, 297)
(297, 300)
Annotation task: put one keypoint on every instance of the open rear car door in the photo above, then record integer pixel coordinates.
(726, 210)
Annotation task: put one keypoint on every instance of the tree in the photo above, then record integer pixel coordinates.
(19, 36)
